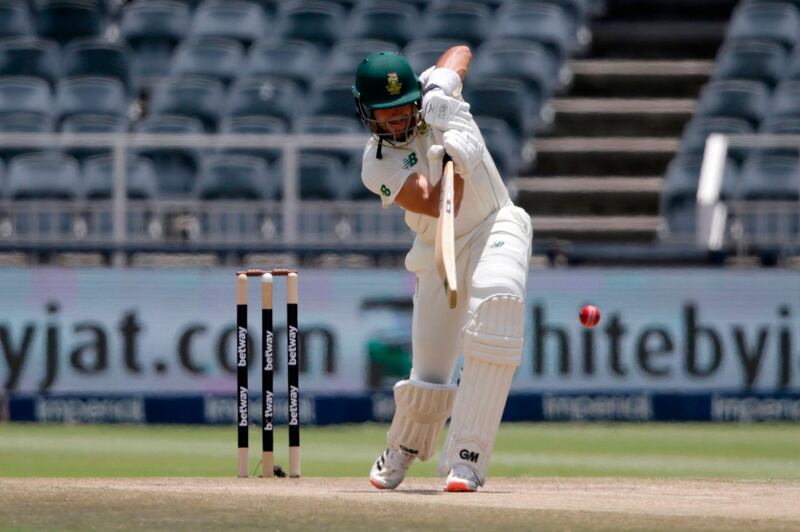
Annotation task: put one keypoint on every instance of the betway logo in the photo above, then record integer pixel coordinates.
(268, 410)
(268, 352)
(292, 346)
(242, 347)
(242, 406)
(294, 418)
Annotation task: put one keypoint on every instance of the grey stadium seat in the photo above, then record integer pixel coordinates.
(506, 99)
(743, 99)
(785, 102)
(26, 95)
(194, 97)
(95, 57)
(208, 57)
(265, 97)
(388, 21)
(696, 132)
(463, 22)
(90, 95)
(319, 22)
(423, 53)
(242, 21)
(773, 21)
(92, 124)
(333, 97)
(771, 177)
(344, 58)
(545, 24)
(576, 11)
(98, 177)
(255, 125)
(527, 62)
(332, 125)
(30, 56)
(233, 177)
(503, 144)
(319, 176)
(175, 167)
(22, 123)
(297, 61)
(15, 19)
(762, 61)
(64, 20)
(47, 175)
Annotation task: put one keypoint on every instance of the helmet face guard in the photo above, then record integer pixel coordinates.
(385, 80)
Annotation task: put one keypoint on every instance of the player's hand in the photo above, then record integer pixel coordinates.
(439, 110)
(465, 149)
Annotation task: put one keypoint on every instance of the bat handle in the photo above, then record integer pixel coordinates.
(446, 159)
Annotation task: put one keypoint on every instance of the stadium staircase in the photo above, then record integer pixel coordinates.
(597, 170)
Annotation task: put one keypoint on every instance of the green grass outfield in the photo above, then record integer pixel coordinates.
(693, 451)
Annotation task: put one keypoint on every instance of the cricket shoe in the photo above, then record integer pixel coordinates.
(390, 469)
(462, 478)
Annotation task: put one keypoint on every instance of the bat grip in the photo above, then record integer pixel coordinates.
(446, 159)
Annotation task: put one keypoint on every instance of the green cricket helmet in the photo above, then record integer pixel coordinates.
(385, 80)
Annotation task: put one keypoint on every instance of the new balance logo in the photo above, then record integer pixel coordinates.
(470, 456)
(410, 161)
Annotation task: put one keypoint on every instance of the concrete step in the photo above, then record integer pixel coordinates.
(618, 78)
(620, 116)
(656, 39)
(596, 228)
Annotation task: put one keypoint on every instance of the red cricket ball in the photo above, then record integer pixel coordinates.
(589, 315)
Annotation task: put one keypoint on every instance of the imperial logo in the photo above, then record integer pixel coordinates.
(242, 347)
(242, 406)
(268, 352)
(293, 406)
(268, 411)
(292, 346)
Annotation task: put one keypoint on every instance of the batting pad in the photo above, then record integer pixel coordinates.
(492, 351)
(421, 409)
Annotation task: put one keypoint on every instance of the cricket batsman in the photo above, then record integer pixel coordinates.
(414, 122)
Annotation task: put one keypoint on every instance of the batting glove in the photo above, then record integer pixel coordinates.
(466, 150)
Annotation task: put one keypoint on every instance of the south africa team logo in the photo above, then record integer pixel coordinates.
(393, 85)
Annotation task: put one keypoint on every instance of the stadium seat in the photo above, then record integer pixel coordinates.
(255, 125)
(319, 176)
(22, 123)
(524, 61)
(239, 20)
(95, 57)
(743, 99)
(90, 95)
(352, 188)
(29, 56)
(98, 177)
(15, 20)
(388, 21)
(319, 22)
(194, 97)
(233, 177)
(762, 61)
(297, 61)
(92, 124)
(785, 102)
(696, 132)
(545, 24)
(153, 29)
(463, 22)
(771, 177)
(46, 175)
(506, 99)
(576, 11)
(265, 96)
(333, 97)
(20, 94)
(332, 125)
(773, 21)
(344, 58)
(175, 167)
(503, 144)
(208, 57)
(423, 53)
(64, 20)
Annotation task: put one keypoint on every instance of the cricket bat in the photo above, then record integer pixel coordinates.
(445, 234)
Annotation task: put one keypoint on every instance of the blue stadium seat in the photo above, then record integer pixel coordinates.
(297, 61)
(98, 177)
(503, 144)
(743, 99)
(230, 19)
(64, 20)
(194, 97)
(423, 53)
(527, 62)
(771, 177)
(255, 125)
(265, 96)
(29, 56)
(153, 29)
(15, 19)
(319, 22)
(95, 57)
(762, 61)
(781, 126)
(208, 57)
(333, 97)
(506, 99)
(175, 167)
(545, 24)
(695, 133)
(90, 95)
(46, 175)
(20, 94)
(463, 22)
(576, 11)
(785, 102)
(351, 186)
(319, 177)
(233, 177)
(345, 57)
(773, 21)
(22, 123)
(331, 125)
(92, 124)
(388, 21)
